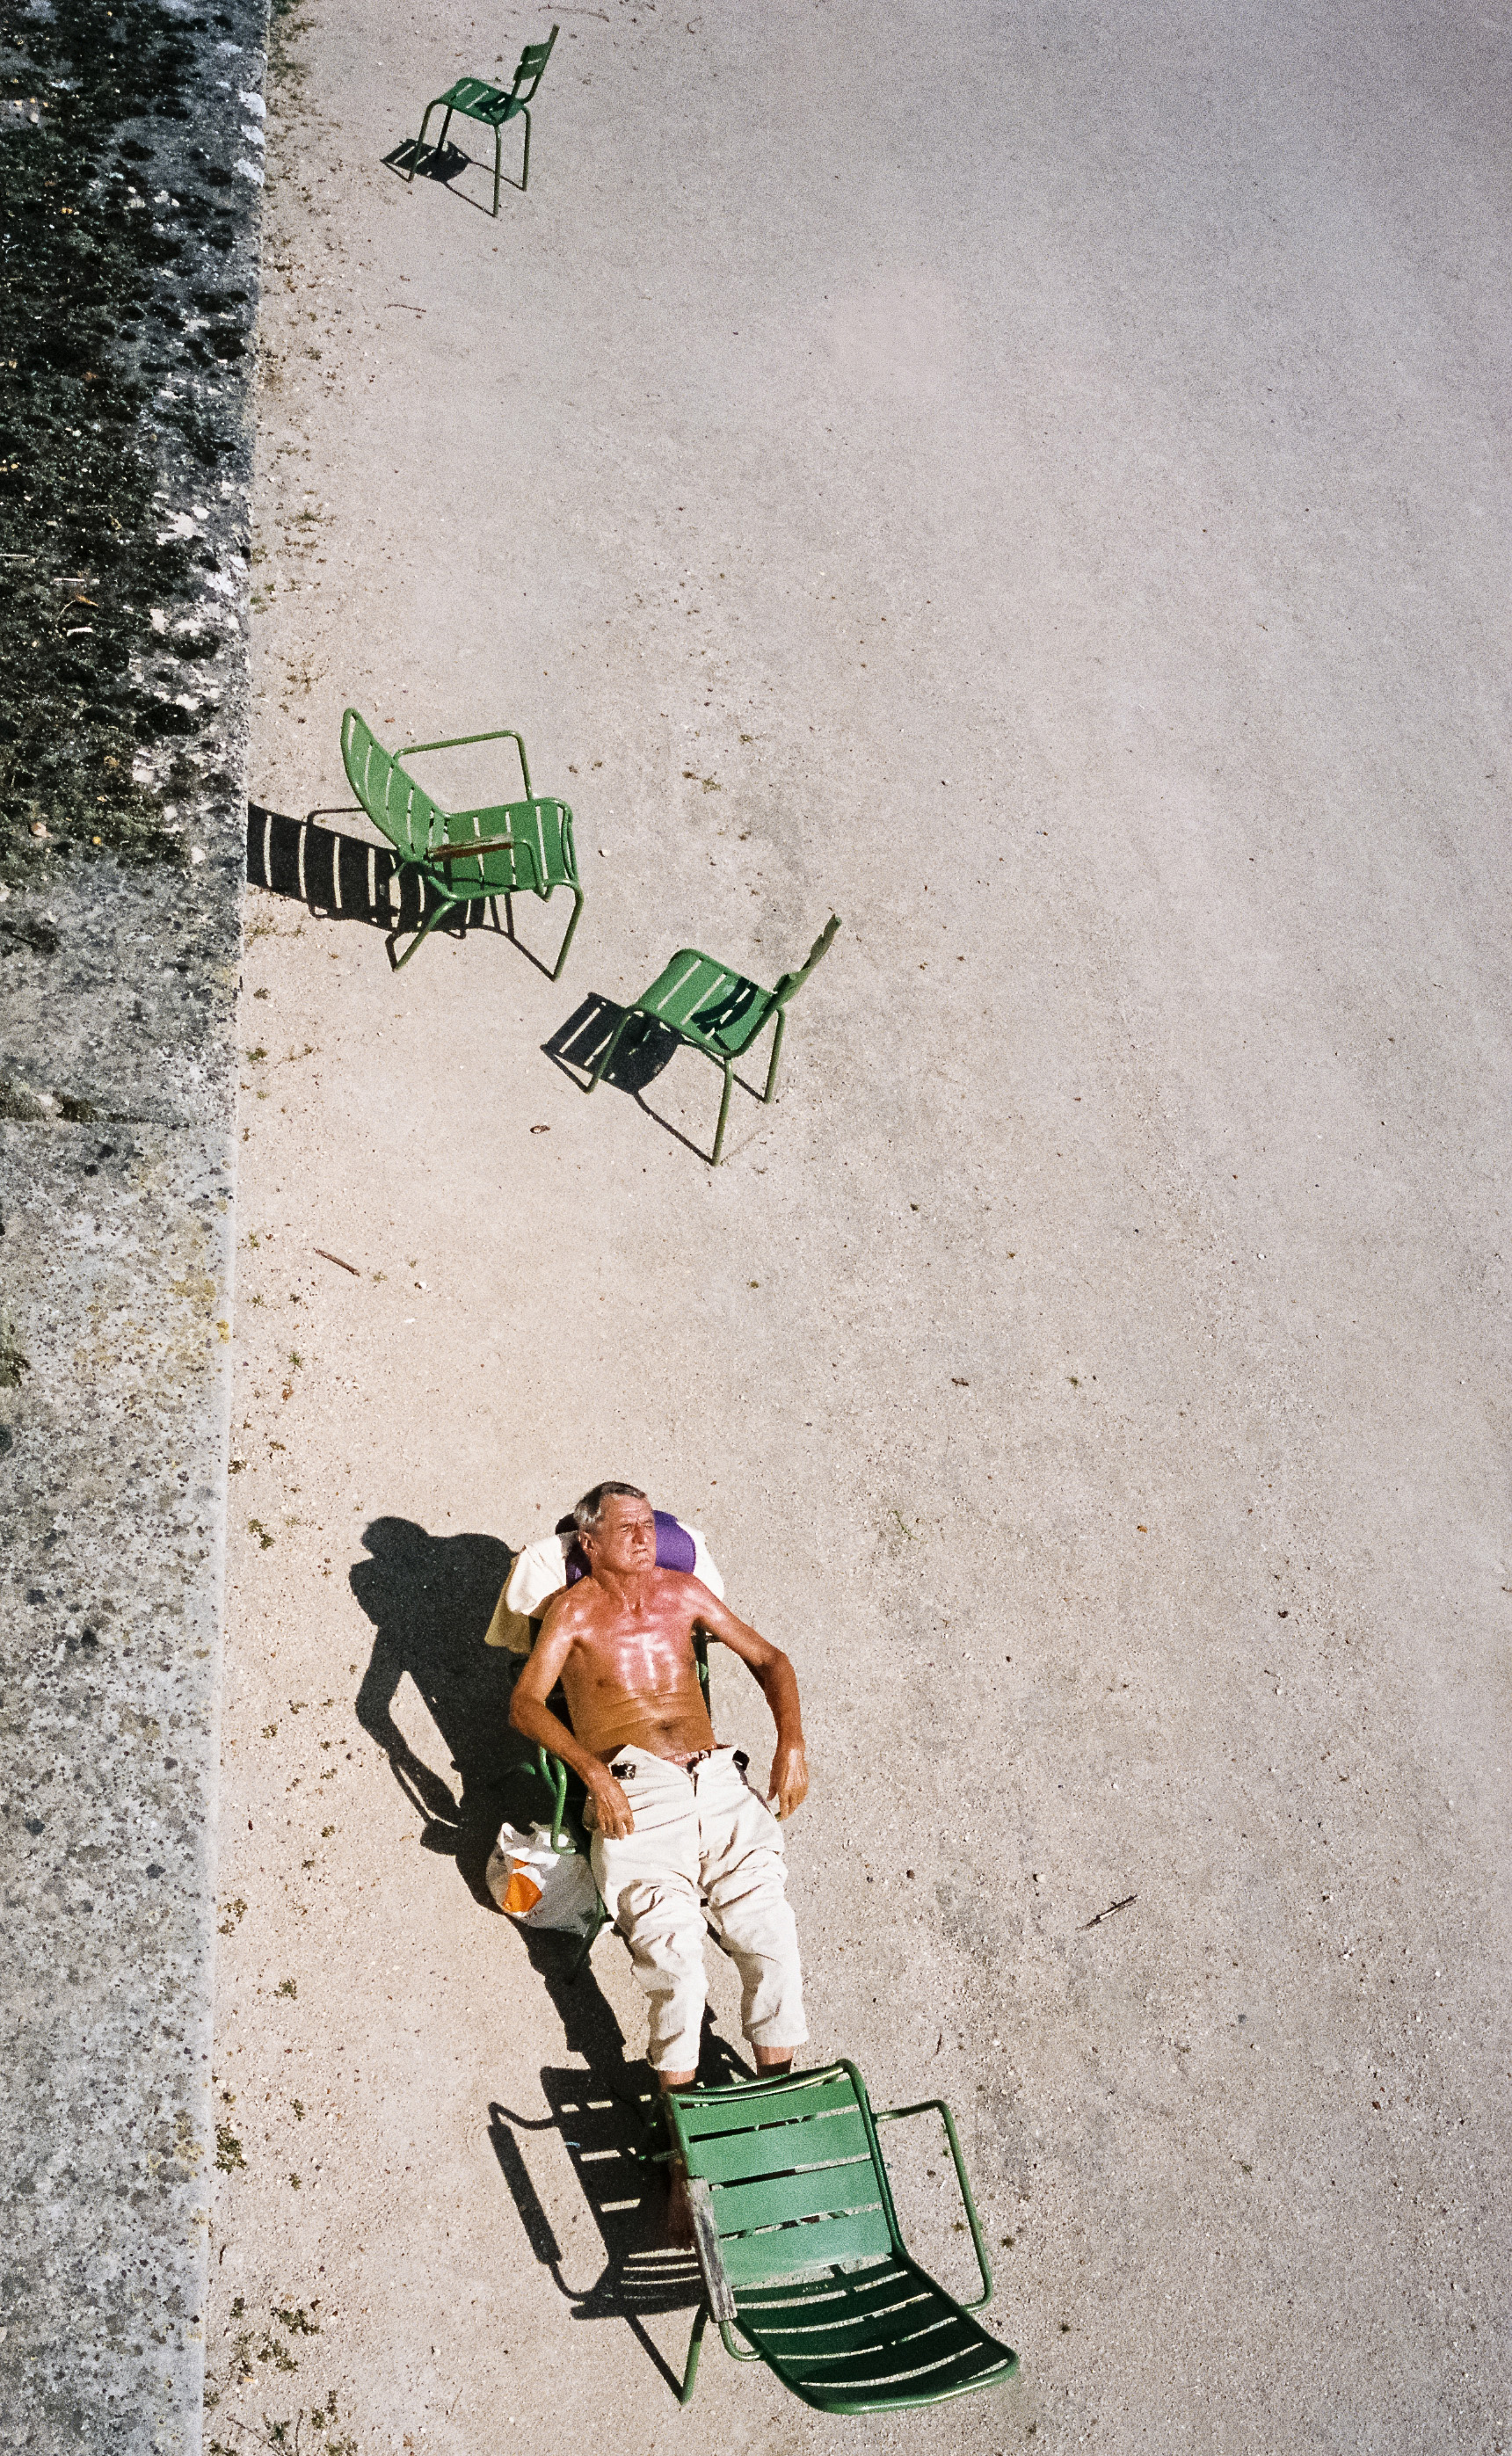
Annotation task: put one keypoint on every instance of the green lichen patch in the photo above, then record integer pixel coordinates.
(229, 2151)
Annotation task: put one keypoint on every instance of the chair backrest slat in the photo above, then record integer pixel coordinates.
(791, 982)
(532, 67)
(399, 807)
(796, 2178)
(713, 2110)
(778, 2148)
(781, 2199)
(793, 2251)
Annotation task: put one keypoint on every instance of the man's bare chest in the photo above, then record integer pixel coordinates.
(641, 1655)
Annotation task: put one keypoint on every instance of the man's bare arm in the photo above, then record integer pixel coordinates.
(531, 1717)
(778, 1682)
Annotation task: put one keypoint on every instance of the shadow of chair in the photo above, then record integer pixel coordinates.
(324, 869)
(577, 1046)
(352, 879)
(430, 1599)
(439, 162)
(602, 2116)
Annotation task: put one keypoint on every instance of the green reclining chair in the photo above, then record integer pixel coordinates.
(462, 856)
(491, 106)
(718, 1011)
(800, 2253)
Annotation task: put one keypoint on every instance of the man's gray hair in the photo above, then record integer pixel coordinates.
(590, 1508)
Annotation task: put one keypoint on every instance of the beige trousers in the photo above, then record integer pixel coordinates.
(705, 1847)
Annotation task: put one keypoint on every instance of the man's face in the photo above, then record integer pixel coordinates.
(625, 1537)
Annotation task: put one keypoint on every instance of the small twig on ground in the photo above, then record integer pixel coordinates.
(336, 1259)
(1109, 1912)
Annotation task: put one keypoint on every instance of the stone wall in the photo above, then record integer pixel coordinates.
(131, 146)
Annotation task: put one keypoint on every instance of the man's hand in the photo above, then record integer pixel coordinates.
(789, 1786)
(611, 1809)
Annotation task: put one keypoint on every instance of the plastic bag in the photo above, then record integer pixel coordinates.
(539, 1885)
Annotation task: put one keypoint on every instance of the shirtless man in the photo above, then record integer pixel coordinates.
(679, 1835)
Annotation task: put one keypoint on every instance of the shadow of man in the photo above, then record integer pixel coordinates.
(430, 1599)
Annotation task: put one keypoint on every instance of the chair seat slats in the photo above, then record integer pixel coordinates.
(870, 2390)
(475, 100)
(825, 2299)
(826, 2328)
(930, 2334)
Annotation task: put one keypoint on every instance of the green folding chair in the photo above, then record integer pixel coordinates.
(491, 106)
(720, 1012)
(800, 2253)
(463, 856)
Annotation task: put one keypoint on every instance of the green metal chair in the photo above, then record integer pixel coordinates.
(491, 106)
(799, 2248)
(720, 1012)
(463, 856)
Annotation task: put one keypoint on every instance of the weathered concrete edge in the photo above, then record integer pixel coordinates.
(117, 1164)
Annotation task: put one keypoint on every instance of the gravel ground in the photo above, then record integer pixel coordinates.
(1030, 486)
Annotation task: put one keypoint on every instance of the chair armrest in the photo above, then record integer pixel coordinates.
(937, 2106)
(554, 1774)
(706, 2243)
(711, 2268)
(466, 852)
(465, 742)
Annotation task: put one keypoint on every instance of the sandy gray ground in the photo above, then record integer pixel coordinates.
(1033, 482)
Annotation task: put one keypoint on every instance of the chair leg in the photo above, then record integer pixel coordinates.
(577, 907)
(694, 2347)
(723, 1113)
(445, 125)
(613, 1043)
(525, 176)
(777, 1050)
(581, 1960)
(450, 905)
(419, 143)
(498, 139)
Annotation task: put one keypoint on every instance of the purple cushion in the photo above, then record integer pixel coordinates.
(674, 1549)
